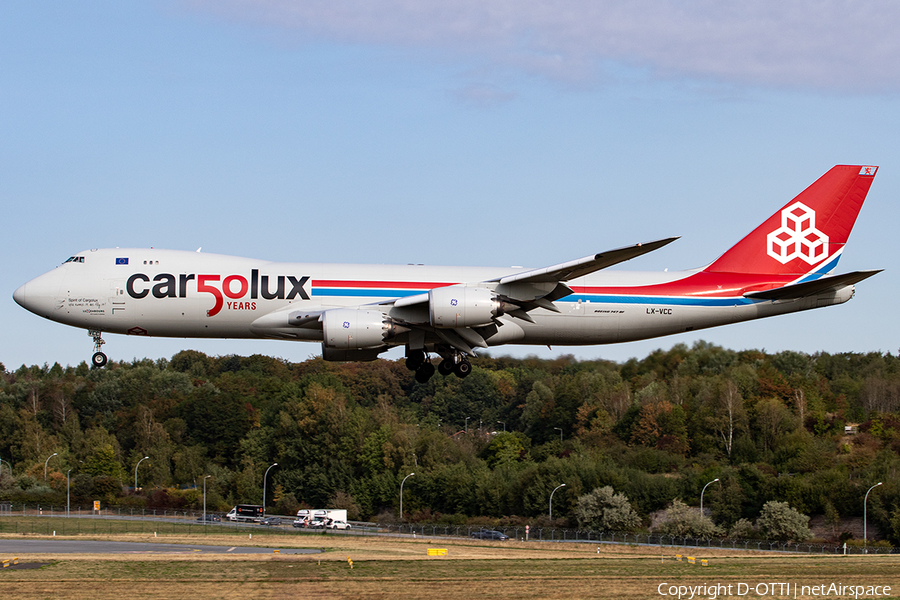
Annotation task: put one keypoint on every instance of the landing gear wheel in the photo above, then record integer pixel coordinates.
(446, 366)
(99, 360)
(424, 372)
(415, 359)
(463, 368)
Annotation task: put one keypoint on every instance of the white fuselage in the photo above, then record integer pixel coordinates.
(189, 294)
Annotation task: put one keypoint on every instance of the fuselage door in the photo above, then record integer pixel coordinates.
(117, 297)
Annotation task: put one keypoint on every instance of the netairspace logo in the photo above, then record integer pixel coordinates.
(773, 590)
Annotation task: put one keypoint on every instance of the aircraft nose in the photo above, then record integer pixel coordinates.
(19, 295)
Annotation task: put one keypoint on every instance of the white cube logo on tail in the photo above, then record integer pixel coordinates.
(797, 237)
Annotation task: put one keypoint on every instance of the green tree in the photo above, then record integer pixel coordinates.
(103, 462)
(217, 420)
(832, 518)
(504, 449)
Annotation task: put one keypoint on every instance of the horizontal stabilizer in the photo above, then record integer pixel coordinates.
(812, 288)
(587, 265)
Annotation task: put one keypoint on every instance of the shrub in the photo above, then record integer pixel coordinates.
(683, 521)
(778, 521)
(605, 510)
(741, 530)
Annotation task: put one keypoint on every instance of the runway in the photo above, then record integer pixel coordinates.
(13, 547)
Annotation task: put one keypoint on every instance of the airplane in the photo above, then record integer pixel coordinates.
(358, 312)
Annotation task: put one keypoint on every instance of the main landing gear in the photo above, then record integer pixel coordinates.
(98, 359)
(417, 360)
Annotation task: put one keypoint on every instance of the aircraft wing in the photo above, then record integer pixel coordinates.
(515, 295)
(812, 288)
(541, 286)
(585, 266)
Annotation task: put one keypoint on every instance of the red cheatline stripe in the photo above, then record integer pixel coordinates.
(701, 284)
(403, 285)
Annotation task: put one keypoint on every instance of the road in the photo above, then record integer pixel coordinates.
(13, 547)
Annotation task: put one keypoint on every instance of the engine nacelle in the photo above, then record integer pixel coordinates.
(353, 329)
(458, 306)
(366, 354)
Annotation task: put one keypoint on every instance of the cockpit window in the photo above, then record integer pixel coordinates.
(78, 259)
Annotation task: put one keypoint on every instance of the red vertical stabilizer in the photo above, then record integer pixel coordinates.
(808, 233)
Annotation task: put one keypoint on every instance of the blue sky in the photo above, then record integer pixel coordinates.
(460, 132)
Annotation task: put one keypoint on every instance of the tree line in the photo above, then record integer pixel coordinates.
(810, 431)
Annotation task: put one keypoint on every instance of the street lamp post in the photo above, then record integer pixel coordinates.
(68, 489)
(264, 487)
(504, 425)
(562, 485)
(701, 494)
(204, 498)
(401, 494)
(135, 472)
(559, 429)
(45, 465)
(865, 500)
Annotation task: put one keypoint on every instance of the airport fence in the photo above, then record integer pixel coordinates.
(83, 520)
(553, 534)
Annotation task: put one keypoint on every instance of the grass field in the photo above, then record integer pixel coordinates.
(396, 569)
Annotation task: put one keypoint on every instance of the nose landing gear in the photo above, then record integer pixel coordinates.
(98, 359)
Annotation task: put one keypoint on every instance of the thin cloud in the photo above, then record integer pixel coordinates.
(828, 45)
(482, 95)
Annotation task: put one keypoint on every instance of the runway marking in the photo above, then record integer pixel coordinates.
(230, 549)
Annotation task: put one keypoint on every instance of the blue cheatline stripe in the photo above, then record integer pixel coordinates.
(594, 298)
(822, 271)
(667, 300)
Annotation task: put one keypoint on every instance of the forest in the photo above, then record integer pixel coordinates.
(812, 431)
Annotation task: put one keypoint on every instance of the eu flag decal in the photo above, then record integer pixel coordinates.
(121, 261)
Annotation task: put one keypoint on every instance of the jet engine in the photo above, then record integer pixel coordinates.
(352, 329)
(458, 306)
